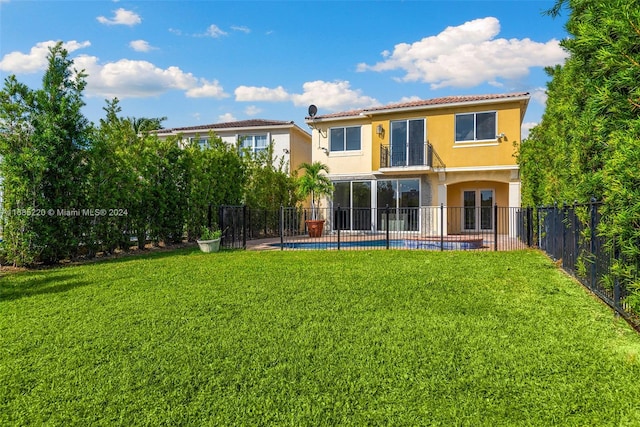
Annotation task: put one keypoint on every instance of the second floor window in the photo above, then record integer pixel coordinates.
(203, 142)
(254, 143)
(476, 126)
(345, 139)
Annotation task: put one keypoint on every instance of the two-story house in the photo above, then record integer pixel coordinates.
(289, 140)
(456, 152)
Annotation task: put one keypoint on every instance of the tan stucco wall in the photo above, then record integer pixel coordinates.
(300, 150)
(348, 162)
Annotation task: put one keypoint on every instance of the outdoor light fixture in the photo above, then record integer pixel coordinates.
(379, 130)
(324, 150)
(500, 135)
(285, 150)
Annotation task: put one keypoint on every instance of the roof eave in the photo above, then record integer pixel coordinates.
(449, 105)
(371, 113)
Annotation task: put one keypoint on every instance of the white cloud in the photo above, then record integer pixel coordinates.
(405, 99)
(252, 110)
(36, 59)
(539, 95)
(526, 127)
(241, 28)
(253, 93)
(214, 31)
(227, 117)
(121, 17)
(468, 55)
(333, 96)
(141, 46)
(137, 79)
(124, 78)
(207, 89)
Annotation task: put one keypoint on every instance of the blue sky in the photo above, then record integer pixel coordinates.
(200, 62)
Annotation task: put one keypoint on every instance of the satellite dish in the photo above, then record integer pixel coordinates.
(313, 110)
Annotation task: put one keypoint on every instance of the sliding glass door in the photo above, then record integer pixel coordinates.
(354, 200)
(402, 196)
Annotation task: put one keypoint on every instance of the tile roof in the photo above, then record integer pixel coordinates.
(229, 125)
(425, 103)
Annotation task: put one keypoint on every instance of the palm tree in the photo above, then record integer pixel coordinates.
(315, 184)
(146, 124)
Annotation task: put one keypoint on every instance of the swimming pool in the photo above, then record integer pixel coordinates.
(382, 243)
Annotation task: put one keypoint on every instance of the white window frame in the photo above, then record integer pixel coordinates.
(253, 149)
(344, 141)
(202, 141)
(475, 127)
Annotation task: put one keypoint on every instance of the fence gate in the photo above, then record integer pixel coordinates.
(232, 220)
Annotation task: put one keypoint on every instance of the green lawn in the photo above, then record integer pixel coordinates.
(313, 338)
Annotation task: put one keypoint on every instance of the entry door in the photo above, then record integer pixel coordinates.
(478, 210)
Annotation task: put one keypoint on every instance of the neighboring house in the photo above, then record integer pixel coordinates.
(456, 152)
(289, 141)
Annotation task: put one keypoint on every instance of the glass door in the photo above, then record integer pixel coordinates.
(486, 209)
(478, 210)
(354, 200)
(407, 142)
(469, 210)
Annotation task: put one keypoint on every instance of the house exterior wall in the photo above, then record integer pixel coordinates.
(484, 164)
(348, 162)
(289, 142)
(299, 151)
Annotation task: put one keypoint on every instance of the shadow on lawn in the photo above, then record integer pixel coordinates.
(50, 284)
(58, 279)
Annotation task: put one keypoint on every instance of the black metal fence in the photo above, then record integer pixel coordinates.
(430, 228)
(568, 234)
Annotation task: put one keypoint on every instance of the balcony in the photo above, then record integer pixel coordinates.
(415, 156)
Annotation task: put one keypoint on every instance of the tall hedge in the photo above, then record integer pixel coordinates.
(70, 188)
(588, 142)
(43, 135)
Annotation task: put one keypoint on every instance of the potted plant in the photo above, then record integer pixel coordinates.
(316, 184)
(209, 240)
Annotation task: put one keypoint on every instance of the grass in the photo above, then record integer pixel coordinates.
(313, 338)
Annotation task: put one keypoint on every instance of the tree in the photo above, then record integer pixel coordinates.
(314, 183)
(586, 145)
(142, 125)
(110, 183)
(268, 183)
(43, 137)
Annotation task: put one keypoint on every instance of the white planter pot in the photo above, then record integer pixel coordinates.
(209, 245)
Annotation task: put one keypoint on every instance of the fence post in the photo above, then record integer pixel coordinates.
(221, 219)
(616, 281)
(387, 224)
(441, 227)
(495, 227)
(244, 226)
(529, 226)
(339, 224)
(281, 226)
(576, 237)
(592, 243)
(565, 216)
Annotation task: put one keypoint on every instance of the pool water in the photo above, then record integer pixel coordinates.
(393, 244)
